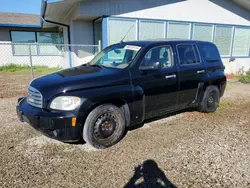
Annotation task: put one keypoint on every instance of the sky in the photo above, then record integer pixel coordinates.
(21, 6)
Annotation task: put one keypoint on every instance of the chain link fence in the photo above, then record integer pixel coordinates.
(20, 63)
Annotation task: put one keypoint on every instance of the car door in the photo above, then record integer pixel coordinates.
(160, 86)
(191, 73)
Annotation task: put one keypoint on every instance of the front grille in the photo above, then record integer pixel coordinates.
(35, 98)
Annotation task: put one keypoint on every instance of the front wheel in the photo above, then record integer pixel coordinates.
(211, 100)
(104, 126)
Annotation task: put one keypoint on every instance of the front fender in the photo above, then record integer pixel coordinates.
(97, 96)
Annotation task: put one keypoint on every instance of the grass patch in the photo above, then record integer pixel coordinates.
(26, 69)
(245, 78)
(224, 105)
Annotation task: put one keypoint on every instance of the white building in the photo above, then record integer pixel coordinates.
(224, 22)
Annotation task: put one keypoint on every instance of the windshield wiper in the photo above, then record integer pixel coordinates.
(100, 66)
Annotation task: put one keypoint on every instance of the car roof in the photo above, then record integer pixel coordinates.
(145, 43)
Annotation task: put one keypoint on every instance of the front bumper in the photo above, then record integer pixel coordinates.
(57, 125)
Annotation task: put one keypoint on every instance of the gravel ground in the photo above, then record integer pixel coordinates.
(186, 150)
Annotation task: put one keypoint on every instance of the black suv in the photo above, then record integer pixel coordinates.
(124, 85)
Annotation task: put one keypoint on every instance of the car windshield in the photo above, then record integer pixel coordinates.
(118, 56)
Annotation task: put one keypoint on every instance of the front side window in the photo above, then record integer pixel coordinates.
(118, 56)
(162, 54)
(188, 54)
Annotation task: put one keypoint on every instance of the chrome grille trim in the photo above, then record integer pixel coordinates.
(34, 98)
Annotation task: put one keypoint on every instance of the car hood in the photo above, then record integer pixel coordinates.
(81, 77)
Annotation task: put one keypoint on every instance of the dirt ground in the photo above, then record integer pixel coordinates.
(14, 84)
(190, 149)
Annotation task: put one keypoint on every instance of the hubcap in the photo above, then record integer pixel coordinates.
(210, 100)
(105, 126)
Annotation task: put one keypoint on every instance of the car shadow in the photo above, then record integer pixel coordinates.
(149, 175)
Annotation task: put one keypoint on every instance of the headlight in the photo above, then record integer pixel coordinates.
(65, 103)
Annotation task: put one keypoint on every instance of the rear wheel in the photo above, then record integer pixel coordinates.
(211, 100)
(104, 126)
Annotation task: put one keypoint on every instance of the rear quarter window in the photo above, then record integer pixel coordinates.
(210, 53)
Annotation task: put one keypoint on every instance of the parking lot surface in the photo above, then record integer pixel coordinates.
(190, 149)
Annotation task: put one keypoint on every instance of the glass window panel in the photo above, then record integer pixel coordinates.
(178, 30)
(23, 37)
(119, 28)
(203, 32)
(186, 54)
(24, 49)
(151, 30)
(163, 55)
(49, 43)
(45, 37)
(241, 42)
(210, 52)
(50, 49)
(223, 39)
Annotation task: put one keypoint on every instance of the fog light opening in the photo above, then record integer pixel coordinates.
(73, 122)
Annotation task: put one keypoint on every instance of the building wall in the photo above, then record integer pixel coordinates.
(4, 35)
(211, 11)
(81, 32)
(237, 65)
(218, 12)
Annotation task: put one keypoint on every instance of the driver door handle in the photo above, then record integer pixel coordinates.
(200, 71)
(170, 76)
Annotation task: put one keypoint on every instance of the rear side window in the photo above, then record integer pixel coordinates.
(188, 54)
(210, 52)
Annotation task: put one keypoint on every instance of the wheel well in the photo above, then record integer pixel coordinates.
(117, 102)
(217, 84)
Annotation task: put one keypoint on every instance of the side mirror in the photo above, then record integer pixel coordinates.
(151, 66)
(117, 51)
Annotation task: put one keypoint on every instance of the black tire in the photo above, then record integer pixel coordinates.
(210, 100)
(104, 126)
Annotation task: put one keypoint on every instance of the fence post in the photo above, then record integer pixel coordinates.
(99, 46)
(70, 55)
(31, 63)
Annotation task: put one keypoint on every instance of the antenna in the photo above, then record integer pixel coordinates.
(126, 34)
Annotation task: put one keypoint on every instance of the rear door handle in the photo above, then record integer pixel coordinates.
(170, 76)
(200, 71)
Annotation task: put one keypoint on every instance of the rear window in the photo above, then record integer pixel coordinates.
(210, 52)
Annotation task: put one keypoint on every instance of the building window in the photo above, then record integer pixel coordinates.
(203, 32)
(178, 30)
(151, 30)
(39, 43)
(20, 40)
(223, 39)
(119, 28)
(241, 42)
(49, 43)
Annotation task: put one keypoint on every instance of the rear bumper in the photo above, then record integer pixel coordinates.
(57, 125)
